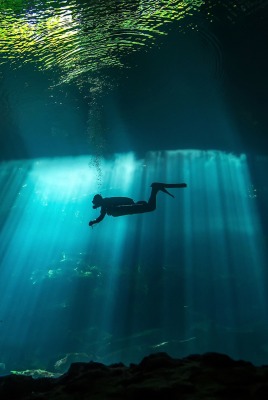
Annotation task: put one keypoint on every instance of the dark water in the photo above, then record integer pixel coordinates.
(108, 97)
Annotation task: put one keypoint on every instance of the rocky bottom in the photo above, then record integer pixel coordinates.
(209, 376)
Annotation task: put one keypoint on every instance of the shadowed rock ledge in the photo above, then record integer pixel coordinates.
(209, 376)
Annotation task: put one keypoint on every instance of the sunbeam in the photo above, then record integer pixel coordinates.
(188, 277)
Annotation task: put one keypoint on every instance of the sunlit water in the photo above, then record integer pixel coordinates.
(189, 277)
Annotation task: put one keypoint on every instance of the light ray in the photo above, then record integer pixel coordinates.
(187, 277)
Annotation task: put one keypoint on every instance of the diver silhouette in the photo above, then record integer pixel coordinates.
(118, 206)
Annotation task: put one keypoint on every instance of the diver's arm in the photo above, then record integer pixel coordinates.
(99, 219)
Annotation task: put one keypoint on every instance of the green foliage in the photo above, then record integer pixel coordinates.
(81, 39)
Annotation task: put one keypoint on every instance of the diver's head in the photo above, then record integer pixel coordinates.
(97, 201)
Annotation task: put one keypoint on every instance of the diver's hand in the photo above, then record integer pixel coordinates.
(91, 223)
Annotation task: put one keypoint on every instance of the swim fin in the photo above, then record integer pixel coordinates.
(163, 186)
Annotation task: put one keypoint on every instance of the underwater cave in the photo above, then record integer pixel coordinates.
(107, 97)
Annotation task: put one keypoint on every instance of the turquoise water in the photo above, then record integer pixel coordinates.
(108, 99)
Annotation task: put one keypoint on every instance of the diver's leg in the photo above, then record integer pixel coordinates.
(156, 186)
(143, 206)
(137, 208)
(151, 206)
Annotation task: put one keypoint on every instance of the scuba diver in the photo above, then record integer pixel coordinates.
(118, 206)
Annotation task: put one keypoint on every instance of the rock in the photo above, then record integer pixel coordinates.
(208, 376)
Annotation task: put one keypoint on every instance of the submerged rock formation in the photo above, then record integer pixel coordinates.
(208, 376)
